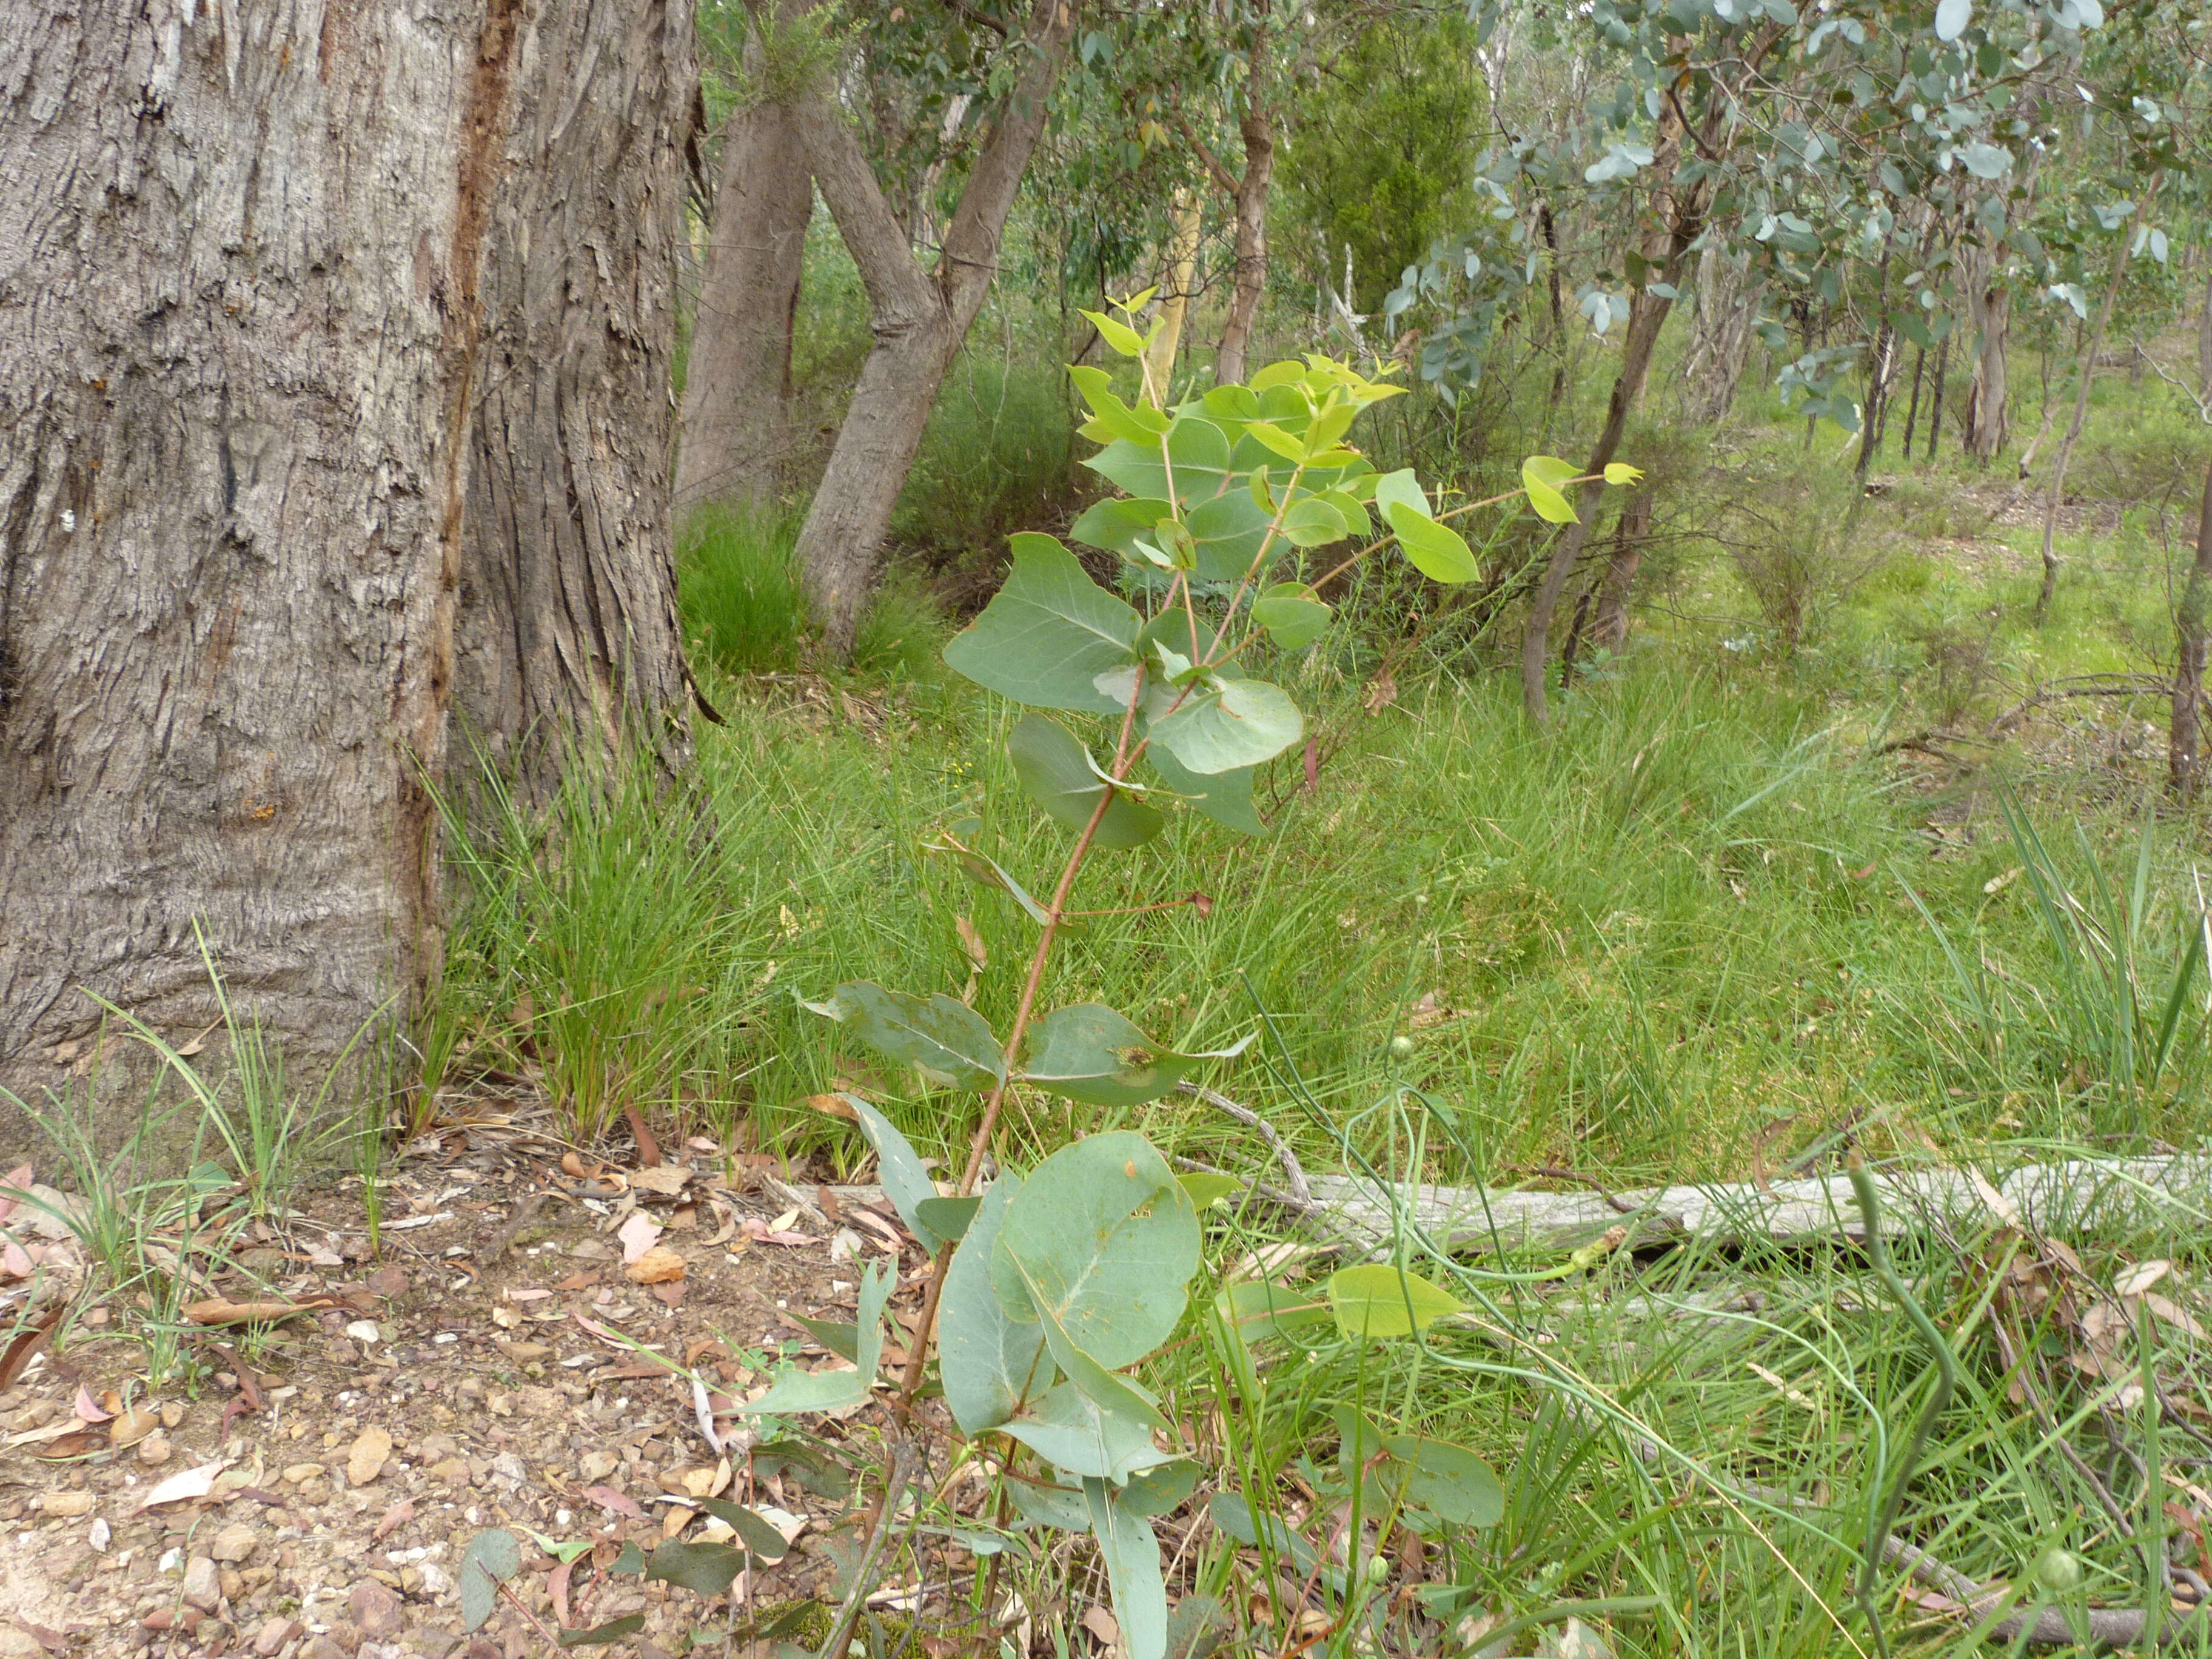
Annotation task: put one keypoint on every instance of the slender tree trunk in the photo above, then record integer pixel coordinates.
(1231, 360)
(1913, 409)
(254, 269)
(2121, 256)
(1609, 626)
(1175, 294)
(1547, 223)
(1681, 209)
(1935, 408)
(919, 319)
(737, 393)
(2204, 345)
(1720, 343)
(1989, 309)
(2185, 766)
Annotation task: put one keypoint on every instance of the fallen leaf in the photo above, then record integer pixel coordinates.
(657, 1266)
(133, 1425)
(2141, 1277)
(526, 1294)
(1102, 1625)
(972, 943)
(17, 1355)
(14, 1262)
(608, 1498)
(398, 1514)
(830, 1106)
(86, 1412)
(371, 1449)
(638, 1235)
(671, 1294)
(221, 1311)
(191, 1483)
(577, 1282)
(666, 1179)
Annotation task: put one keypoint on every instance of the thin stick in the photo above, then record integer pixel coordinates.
(1292, 1171)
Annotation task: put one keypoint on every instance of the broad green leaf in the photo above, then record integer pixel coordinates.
(1119, 335)
(1229, 530)
(702, 1569)
(1376, 1299)
(1050, 1506)
(799, 1391)
(1197, 1628)
(1224, 797)
(1257, 1311)
(1239, 723)
(1200, 452)
(1952, 17)
(1088, 1053)
(1048, 633)
(599, 1635)
(1116, 1397)
(1132, 1555)
(1072, 1431)
(1358, 1446)
(945, 1040)
(840, 1339)
(1291, 614)
(1449, 1481)
(1400, 488)
(1135, 469)
(1056, 773)
(1111, 1240)
(948, 1217)
(1312, 522)
(1157, 1490)
(820, 1474)
(1288, 372)
(1355, 515)
(1234, 1515)
(1232, 402)
(1620, 472)
(1119, 522)
(906, 1182)
(1139, 425)
(1433, 548)
(630, 1558)
(1541, 477)
(1205, 1189)
(490, 1560)
(759, 1538)
(989, 1361)
(1328, 427)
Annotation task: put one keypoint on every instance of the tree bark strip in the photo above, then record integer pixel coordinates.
(2184, 763)
(919, 319)
(1233, 358)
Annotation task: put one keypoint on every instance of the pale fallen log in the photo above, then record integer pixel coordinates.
(2073, 1195)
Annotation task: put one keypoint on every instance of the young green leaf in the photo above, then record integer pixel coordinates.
(945, 1040)
(1291, 614)
(1119, 522)
(1620, 472)
(1401, 488)
(1312, 522)
(1055, 771)
(990, 1362)
(1140, 424)
(1329, 427)
(1376, 1299)
(1238, 723)
(1290, 448)
(1288, 372)
(1088, 1053)
(1119, 335)
(1048, 633)
(1448, 1480)
(1206, 1189)
(1541, 476)
(1434, 549)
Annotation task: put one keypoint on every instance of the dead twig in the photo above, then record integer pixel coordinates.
(1292, 1172)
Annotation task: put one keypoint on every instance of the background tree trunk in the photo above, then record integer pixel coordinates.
(1609, 626)
(236, 399)
(1175, 295)
(919, 319)
(1232, 359)
(2185, 766)
(737, 393)
(568, 626)
(1988, 314)
(1720, 339)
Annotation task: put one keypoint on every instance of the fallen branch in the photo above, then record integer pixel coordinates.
(1251, 1120)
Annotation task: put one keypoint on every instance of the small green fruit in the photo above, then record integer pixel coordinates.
(1401, 1047)
(2059, 1571)
(1378, 1568)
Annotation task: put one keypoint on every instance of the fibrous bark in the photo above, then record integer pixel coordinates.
(919, 318)
(2184, 765)
(1720, 342)
(1257, 127)
(245, 259)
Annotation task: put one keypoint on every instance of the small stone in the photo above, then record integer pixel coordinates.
(410, 1580)
(364, 1330)
(435, 1644)
(66, 1503)
(173, 1413)
(101, 1531)
(455, 1469)
(367, 1459)
(321, 1647)
(436, 1581)
(153, 1450)
(233, 1586)
(234, 1543)
(596, 1466)
(510, 1468)
(377, 1609)
(273, 1635)
(298, 1474)
(203, 1588)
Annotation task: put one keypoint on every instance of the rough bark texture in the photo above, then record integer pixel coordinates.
(1720, 341)
(2184, 765)
(567, 625)
(242, 251)
(919, 318)
(1609, 626)
(737, 396)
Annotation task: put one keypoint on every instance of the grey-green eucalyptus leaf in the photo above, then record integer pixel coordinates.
(1132, 1555)
(946, 1041)
(1235, 723)
(1048, 633)
(989, 1361)
(1056, 773)
(906, 1182)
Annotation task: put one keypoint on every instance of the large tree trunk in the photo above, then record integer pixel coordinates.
(1233, 358)
(245, 256)
(2184, 765)
(1175, 297)
(737, 394)
(919, 319)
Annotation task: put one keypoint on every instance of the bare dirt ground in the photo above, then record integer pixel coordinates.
(307, 1486)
